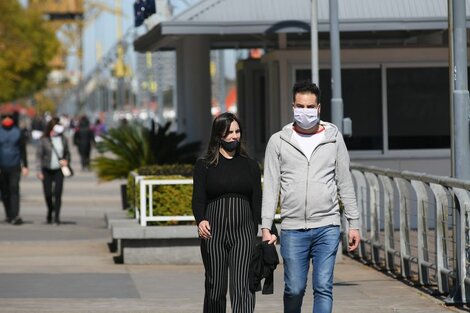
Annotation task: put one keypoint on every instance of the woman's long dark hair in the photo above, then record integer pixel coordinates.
(220, 129)
(50, 125)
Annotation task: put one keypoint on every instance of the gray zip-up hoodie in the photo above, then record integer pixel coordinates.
(309, 187)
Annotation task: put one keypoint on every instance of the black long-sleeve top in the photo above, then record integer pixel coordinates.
(237, 176)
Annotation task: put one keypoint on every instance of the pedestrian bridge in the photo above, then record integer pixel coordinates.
(413, 257)
(414, 227)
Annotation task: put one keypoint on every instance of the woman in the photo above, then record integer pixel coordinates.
(227, 209)
(52, 153)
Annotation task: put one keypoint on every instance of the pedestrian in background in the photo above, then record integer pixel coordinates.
(52, 153)
(227, 208)
(13, 164)
(84, 139)
(308, 163)
(37, 128)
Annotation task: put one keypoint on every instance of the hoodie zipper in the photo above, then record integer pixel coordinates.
(308, 173)
(306, 193)
(308, 170)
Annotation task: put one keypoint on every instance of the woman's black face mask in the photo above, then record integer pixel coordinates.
(229, 146)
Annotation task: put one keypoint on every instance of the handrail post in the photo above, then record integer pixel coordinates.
(458, 293)
(143, 209)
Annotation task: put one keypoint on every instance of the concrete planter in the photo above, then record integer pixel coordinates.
(170, 244)
(135, 244)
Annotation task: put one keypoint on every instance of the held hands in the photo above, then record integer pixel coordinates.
(267, 236)
(354, 239)
(204, 230)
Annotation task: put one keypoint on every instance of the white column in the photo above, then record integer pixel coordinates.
(194, 89)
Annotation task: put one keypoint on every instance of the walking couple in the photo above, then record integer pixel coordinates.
(307, 163)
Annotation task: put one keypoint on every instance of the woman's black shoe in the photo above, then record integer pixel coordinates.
(16, 221)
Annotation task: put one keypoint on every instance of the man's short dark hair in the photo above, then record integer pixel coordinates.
(306, 86)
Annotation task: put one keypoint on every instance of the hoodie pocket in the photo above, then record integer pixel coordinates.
(320, 199)
(293, 200)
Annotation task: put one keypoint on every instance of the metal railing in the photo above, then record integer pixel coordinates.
(417, 226)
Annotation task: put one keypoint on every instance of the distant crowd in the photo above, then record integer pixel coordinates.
(50, 136)
(84, 135)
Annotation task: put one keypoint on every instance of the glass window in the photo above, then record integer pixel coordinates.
(418, 108)
(260, 107)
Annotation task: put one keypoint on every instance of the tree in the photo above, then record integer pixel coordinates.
(26, 48)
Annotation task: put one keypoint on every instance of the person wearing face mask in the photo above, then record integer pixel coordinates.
(308, 164)
(52, 152)
(226, 204)
(13, 164)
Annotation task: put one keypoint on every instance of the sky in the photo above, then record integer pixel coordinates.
(103, 32)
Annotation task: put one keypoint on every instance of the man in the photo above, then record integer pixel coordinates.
(13, 163)
(307, 161)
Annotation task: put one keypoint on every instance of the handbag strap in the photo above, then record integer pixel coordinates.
(55, 151)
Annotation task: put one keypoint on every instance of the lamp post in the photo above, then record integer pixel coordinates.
(314, 42)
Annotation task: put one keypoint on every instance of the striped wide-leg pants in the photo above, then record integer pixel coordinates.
(229, 250)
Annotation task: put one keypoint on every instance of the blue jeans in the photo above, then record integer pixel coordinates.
(297, 248)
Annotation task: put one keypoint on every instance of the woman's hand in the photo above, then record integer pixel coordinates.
(63, 162)
(204, 230)
(40, 176)
(267, 236)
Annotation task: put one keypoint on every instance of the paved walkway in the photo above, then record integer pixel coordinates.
(69, 268)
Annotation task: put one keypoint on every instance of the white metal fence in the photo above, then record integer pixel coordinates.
(144, 208)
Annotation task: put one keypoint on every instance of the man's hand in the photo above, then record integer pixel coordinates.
(204, 230)
(354, 239)
(267, 236)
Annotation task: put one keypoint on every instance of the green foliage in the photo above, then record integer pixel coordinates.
(166, 147)
(171, 200)
(26, 48)
(169, 171)
(130, 148)
(134, 146)
(185, 170)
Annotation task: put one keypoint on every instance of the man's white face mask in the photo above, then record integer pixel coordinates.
(306, 118)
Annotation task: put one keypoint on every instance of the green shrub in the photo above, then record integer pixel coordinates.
(168, 200)
(185, 170)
